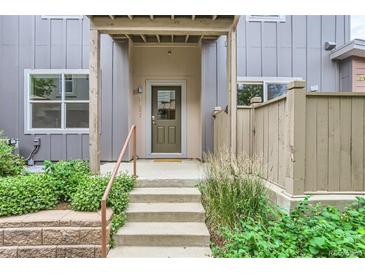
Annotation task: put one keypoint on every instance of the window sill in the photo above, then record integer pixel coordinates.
(56, 131)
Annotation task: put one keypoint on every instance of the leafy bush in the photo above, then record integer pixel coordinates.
(10, 164)
(25, 194)
(118, 221)
(310, 231)
(90, 191)
(244, 223)
(68, 175)
(232, 190)
(68, 181)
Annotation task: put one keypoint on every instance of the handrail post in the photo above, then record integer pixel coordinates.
(135, 151)
(103, 229)
(131, 135)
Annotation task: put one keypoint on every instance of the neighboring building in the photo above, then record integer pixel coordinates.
(174, 80)
(351, 57)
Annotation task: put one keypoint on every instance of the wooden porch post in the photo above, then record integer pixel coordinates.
(94, 105)
(232, 88)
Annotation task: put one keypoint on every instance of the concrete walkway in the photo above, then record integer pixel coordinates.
(165, 217)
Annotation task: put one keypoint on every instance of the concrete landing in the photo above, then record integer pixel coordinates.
(149, 170)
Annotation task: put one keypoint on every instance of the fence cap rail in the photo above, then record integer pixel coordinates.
(334, 94)
(271, 101)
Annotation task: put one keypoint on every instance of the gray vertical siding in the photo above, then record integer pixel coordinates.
(30, 42)
(290, 49)
(294, 48)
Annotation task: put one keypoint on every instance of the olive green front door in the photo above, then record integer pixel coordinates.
(166, 119)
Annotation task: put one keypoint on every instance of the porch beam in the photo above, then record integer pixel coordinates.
(232, 88)
(163, 26)
(94, 101)
(167, 32)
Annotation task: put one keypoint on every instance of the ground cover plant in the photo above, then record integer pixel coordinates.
(68, 182)
(10, 164)
(25, 194)
(67, 175)
(244, 223)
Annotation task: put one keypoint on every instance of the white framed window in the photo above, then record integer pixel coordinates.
(265, 18)
(56, 101)
(265, 87)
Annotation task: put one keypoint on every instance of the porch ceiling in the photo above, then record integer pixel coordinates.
(164, 28)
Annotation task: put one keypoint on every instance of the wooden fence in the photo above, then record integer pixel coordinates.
(306, 142)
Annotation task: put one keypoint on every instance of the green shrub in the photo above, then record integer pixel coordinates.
(310, 231)
(67, 174)
(91, 189)
(10, 164)
(118, 221)
(232, 190)
(25, 194)
(89, 194)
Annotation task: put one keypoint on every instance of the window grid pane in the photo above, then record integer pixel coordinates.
(46, 115)
(76, 87)
(77, 115)
(46, 87)
(246, 91)
(275, 90)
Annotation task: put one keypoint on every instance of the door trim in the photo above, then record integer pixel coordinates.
(182, 84)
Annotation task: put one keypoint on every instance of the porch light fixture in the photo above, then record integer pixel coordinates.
(139, 90)
(329, 45)
(169, 52)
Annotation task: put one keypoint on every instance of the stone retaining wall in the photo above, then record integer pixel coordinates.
(52, 234)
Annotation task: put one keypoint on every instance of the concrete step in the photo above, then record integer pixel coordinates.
(159, 252)
(163, 234)
(164, 195)
(165, 212)
(167, 182)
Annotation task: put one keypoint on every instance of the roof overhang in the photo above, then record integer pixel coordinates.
(353, 48)
(146, 27)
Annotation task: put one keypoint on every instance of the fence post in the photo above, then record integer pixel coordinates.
(296, 130)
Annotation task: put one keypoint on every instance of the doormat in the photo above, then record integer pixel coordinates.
(167, 160)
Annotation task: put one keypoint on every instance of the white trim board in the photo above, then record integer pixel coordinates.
(149, 84)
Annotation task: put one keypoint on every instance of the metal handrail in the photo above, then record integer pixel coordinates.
(103, 203)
